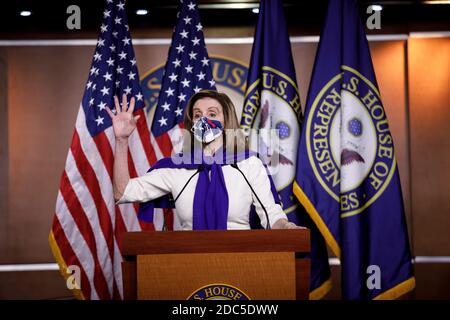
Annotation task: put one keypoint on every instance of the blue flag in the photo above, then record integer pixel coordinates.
(272, 104)
(347, 176)
(187, 71)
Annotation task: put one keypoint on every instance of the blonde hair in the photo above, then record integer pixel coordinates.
(234, 136)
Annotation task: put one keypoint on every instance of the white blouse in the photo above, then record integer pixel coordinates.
(159, 182)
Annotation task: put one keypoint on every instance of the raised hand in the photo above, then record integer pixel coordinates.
(123, 121)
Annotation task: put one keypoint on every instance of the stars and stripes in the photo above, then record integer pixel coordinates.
(87, 225)
(187, 71)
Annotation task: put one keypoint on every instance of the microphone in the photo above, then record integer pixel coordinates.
(164, 228)
(189, 180)
(234, 165)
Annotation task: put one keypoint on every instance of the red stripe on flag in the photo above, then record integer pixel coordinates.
(131, 168)
(92, 183)
(168, 217)
(144, 134)
(106, 153)
(147, 226)
(120, 227)
(165, 144)
(90, 178)
(79, 216)
(69, 256)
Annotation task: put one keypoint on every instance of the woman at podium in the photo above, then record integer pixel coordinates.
(214, 182)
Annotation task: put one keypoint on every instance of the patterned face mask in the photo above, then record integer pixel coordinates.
(206, 130)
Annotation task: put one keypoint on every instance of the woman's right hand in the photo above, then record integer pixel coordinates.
(123, 121)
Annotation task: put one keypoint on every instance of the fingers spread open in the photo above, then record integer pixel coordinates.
(131, 108)
(137, 118)
(124, 102)
(110, 113)
(117, 104)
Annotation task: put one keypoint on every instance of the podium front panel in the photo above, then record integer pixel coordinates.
(252, 275)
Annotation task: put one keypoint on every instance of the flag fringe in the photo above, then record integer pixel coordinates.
(301, 196)
(78, 294)
(321, 291)
(398, 290)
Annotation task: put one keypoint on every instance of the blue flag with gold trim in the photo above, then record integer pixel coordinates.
(272, 105)
(347, 176)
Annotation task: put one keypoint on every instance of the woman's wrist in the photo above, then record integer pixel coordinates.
(122, 141)
(121, 146)
(285, 224)
(280, 224)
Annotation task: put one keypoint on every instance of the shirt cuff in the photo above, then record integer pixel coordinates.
(124, 198)
(277, 216)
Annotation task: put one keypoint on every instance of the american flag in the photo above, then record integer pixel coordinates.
(87, 225)
(187, 71)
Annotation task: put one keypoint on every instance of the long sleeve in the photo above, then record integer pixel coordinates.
(260, 182)
(149, 186)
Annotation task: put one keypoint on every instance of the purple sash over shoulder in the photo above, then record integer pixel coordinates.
(210, 205)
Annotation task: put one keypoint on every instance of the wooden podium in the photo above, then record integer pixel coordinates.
(257, 264)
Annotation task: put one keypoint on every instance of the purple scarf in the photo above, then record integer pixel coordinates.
(210, 205)
(210, 199)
